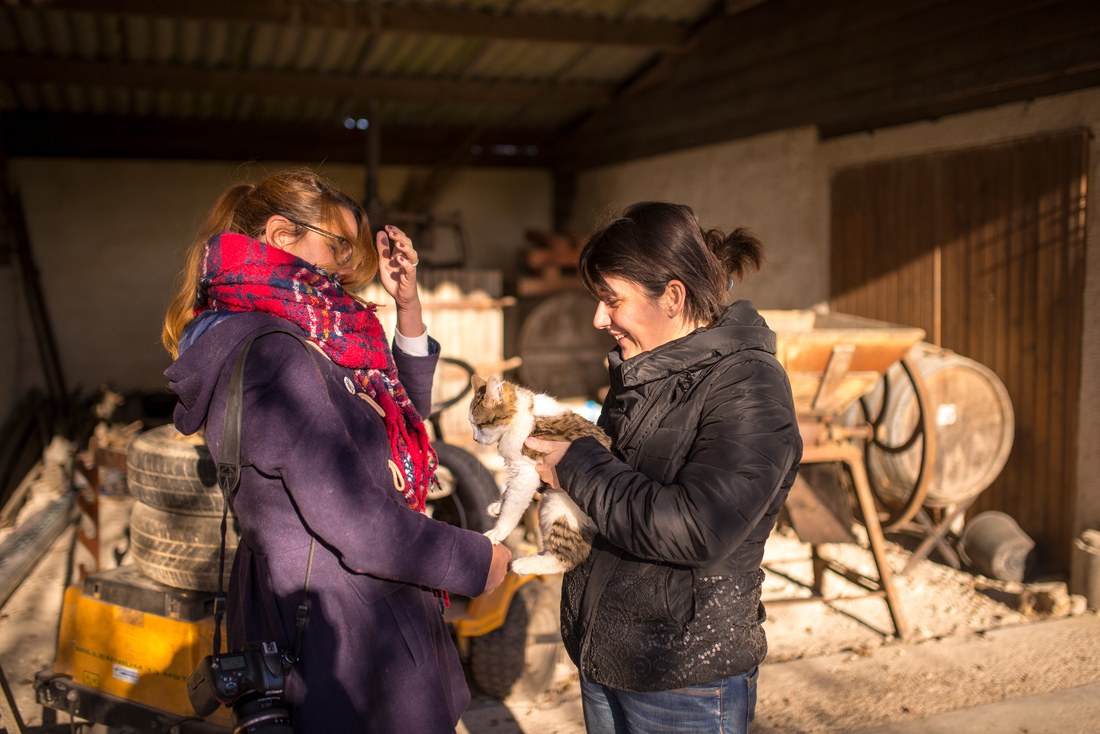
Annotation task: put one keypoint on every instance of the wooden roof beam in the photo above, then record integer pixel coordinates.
(231, 81)
(100, 136)
(395, 18)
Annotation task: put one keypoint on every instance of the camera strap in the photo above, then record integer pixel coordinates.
(229, 479)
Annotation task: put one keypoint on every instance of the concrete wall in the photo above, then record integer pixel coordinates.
(109, 238)
(771, 184)
(778, 185)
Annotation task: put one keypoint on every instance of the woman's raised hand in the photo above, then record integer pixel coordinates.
(397, 261)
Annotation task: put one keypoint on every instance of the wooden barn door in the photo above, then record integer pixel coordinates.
(984, 249)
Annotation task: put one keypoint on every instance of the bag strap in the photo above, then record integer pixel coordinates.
(229, 479)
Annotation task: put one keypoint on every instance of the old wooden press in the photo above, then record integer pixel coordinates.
(835, 363)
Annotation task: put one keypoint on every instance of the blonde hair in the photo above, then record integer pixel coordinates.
(298, 195)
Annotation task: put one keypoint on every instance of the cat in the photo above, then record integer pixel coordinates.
(505, 414)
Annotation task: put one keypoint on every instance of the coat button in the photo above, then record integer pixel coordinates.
(349, 384)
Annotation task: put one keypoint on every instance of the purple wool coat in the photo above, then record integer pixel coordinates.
(376, 654)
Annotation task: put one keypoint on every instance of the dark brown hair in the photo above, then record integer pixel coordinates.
(300, 195)
(655, 242)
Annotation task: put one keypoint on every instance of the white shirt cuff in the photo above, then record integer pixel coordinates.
(415, 346)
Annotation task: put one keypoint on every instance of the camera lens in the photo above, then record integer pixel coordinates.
(254, 713)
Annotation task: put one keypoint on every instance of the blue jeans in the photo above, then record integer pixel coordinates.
(725, 706)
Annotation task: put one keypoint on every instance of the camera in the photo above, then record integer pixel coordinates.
(249, 681)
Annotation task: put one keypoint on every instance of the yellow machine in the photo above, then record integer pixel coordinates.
(510, 638)
(126, 645)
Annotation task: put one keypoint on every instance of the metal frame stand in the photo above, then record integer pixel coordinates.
(852, 457)
(11, 721)
(935, 535)
(820, 447)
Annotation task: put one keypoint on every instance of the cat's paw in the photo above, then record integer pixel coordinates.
(540, 564)
(494, 509)
(495, 535)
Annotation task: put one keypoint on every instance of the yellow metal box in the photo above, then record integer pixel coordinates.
(136, 639)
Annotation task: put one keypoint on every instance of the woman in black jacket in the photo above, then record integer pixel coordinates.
(664, 619)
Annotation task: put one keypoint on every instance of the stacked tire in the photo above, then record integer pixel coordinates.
(175, 523)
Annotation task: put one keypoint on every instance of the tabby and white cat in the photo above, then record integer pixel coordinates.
(505, 414)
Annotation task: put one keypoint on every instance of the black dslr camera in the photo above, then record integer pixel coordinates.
(249, 681)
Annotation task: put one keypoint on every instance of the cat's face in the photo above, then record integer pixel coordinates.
(491, 409)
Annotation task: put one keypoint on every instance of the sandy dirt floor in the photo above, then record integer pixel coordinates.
(831, 667)
(837, 667)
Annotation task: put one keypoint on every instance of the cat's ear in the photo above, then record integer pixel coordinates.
(494, 389)
(476, 382)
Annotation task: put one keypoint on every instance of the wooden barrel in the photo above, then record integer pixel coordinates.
(974, 426)
(563, 354)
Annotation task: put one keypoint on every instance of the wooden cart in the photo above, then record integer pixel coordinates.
(834, 362)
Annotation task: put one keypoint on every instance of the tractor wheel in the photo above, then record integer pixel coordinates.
(170, 471)
(520, 656)
(180, 550)
(466, 489)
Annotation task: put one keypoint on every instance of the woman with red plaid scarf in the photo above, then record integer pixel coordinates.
(335, 460)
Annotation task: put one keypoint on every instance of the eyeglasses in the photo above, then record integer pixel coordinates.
(342, 255)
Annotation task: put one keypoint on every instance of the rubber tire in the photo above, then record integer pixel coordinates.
(475, 490)
(170, 471)
(180, 550)
(520, 657)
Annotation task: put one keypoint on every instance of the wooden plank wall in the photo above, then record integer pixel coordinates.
(844, 66)
(984, 249)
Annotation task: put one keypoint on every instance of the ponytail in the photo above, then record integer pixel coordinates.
(655, 242)
(740, 252)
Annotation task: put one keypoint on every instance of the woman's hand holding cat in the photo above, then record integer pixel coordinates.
(552, 452)
(498, 568)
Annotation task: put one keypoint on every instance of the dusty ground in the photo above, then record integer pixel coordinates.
(838, 668)
(834, 667)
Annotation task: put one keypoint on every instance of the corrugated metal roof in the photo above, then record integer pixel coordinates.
(132, 44)
(123, 35)
(276, 77)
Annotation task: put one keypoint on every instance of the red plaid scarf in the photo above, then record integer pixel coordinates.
(243, 274)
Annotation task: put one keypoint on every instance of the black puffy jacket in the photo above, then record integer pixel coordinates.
(706, 447)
